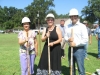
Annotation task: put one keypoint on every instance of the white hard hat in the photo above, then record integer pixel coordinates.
(50, 15)
(25, 19)
(73, 12)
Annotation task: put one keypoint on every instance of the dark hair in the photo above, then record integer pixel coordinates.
(62, 20)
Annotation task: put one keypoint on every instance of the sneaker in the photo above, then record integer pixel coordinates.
(76, 68)
(63, 57)
(98, 71)
(87, 58)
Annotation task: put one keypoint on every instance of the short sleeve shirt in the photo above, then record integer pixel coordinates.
(22, 36)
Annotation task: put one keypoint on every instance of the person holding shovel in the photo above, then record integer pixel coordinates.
(54, 35)
(77, 42)
(28, 43)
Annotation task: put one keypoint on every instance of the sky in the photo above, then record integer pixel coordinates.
(61, 6)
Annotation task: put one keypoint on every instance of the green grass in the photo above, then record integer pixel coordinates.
(9, 56)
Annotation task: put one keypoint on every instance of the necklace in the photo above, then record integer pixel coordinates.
(51, 28)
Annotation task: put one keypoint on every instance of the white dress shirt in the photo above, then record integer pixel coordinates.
(80, 34)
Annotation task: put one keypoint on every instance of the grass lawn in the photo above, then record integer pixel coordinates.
(9, 56)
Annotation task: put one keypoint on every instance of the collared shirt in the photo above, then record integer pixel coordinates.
(98, 31)
(62, 28)
(80, 34)
(89, 31)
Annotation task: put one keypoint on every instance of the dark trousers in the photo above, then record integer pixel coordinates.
(62, 52)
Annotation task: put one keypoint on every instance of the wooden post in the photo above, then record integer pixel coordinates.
(71, 65)
(28, 57)
(49, 66)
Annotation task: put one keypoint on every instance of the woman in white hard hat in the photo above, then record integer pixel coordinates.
(27, 38)
(77, 41)
(54, 34)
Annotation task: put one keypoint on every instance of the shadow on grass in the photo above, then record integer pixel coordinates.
(35, 69)
(93, 54)
(65, 70)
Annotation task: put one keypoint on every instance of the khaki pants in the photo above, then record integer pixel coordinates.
(63, 44)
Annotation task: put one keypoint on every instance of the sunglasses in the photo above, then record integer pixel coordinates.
(84, 23)
(50, 20)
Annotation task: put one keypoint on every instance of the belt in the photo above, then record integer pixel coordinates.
(80, 47)
(25, 51)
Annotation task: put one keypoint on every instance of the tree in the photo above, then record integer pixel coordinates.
(92, 12)
(1, 17)
(38, 6)
(18, 17)
(8, 13)
(53, 12)
(10, 17)
(63, 16)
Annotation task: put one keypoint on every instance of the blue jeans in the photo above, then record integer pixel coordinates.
(78, 57)
(85, 50)
(98, 48)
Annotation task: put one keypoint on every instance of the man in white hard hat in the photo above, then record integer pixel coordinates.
(76, 35)
(90, 39)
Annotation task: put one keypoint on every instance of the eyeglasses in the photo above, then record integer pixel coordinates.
(50, 20)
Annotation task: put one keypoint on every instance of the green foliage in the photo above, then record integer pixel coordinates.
(63, 16)
(8, 24)
(92, 11)
(53, 12)
(10, 17)
(38, 7)
(18, 28)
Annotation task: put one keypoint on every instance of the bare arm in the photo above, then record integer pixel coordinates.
(90, 39)
(43, 35)
(21, 42)
(59, 36)
(96, 36)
